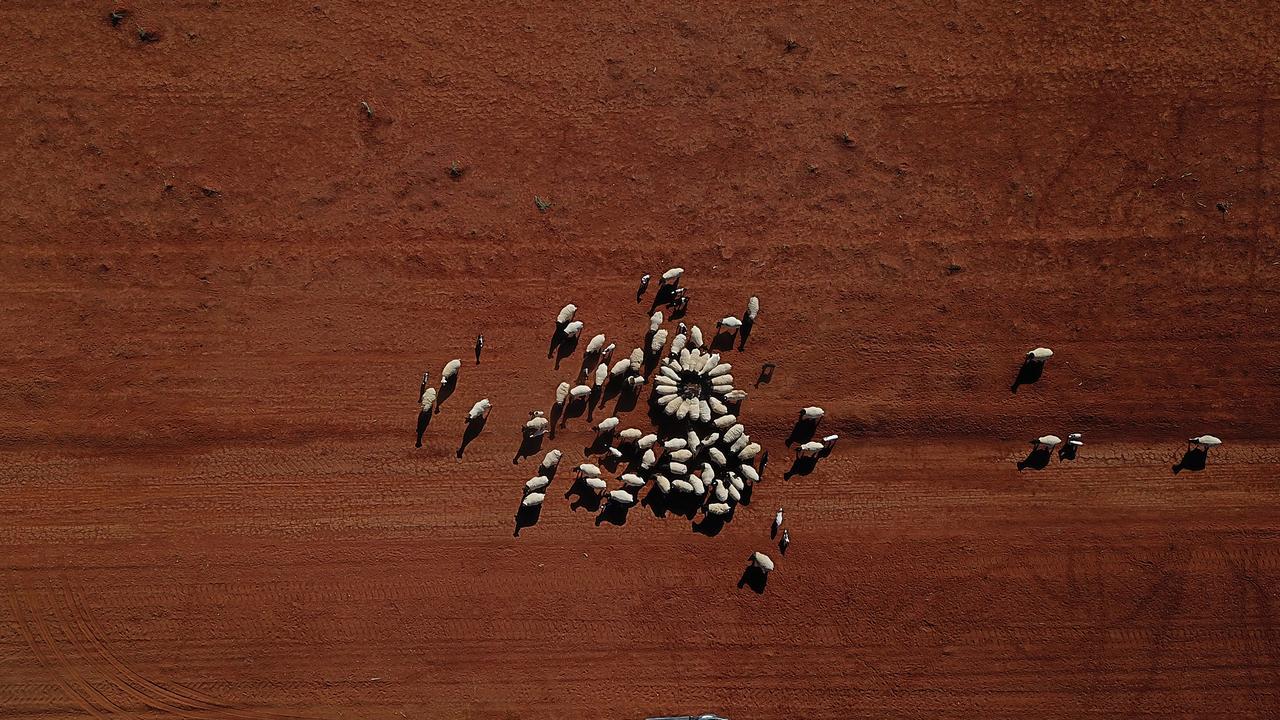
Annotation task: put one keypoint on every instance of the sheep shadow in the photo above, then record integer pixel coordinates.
(764, 460)
(613, 513)
(684, 504)
(723, 341)
(774, 527)
(566, 348)
(801, 466)
(471, 433)
(802, 432)
(528, 446)
(710, 525)
(526, 517)
(586, 496)
(1028, 374)
(745, 332)
(557, 411)
(680, 310)
(766, 374)
(601, 443)
(1068, 452)
(662, 296)
(627, 400)
(754, 578)
(666, 425)
(1037, 459)
(1193, 460)
(557, 337)
(746, 493)
(657, 501)
(573, 409)
(424, 419)
(593, 401)
(446, 390)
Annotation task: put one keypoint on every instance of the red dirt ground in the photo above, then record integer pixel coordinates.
(221, 282)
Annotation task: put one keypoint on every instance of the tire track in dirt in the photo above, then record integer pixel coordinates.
(176, 699)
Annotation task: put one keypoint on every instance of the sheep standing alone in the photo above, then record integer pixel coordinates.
(596, 343)
(729, 322)
(1046, 442)
(635, 381)
(1039, 355)
(672, 276)
(1205, 441)
(450, 372)
(479, 410)
(809, 449)
(607, 425)
(762, 561)
(753, 308)
(602, 374)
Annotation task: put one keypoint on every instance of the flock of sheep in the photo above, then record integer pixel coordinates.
(700, 456)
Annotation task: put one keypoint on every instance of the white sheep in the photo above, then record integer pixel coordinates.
(537, 484)
(735, 396)
(777, 519)
(708, 472)
(670, 373)
(536, 427)
(711, 439)
(682, 456)
(602, 374)
(580, 392)
(620, 367)
(1047, 442)
(664, 484)
(596, 483)
(753, 308)
(695, 337)
(450, 372)
(659, 339)
(675, 444)
(717, 407)
(734, 432)
(750, 473)
(682, 486)
(573, 329)
(672, 276)
(587, 470)
(621, 497)
(717, 456)
(762, 561)
(683, 356)
(704, 411)
(748, 452)
(699, 487)
(567, 313)
(809, 449)
(631, 435)
(721, 369)
(632, 480)
(1205, 441)
(562, 393)
(635, 381)
(720, 491)
(672, 405)
(655, 321)
(730, 322)
(479, 410)
(722, 380)
(647, 441)
(614, 453)
(1039, 355)
(648, 460)
(428, 399)
(677, 468)
(637, 358)
(829, 441)
(533, 499)
(736, 483)
(607, 425)
(677, 345)
(735, 494)
(717, 508)
(607, 355)
(551, 460)
(694, 443)
(812, 414)
(597, 342)
(685, 407)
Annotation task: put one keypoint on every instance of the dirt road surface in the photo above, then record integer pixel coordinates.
(221, 279)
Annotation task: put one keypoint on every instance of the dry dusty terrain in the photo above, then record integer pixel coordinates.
(220, 282)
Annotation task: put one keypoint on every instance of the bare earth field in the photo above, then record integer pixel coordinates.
(220, 283)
